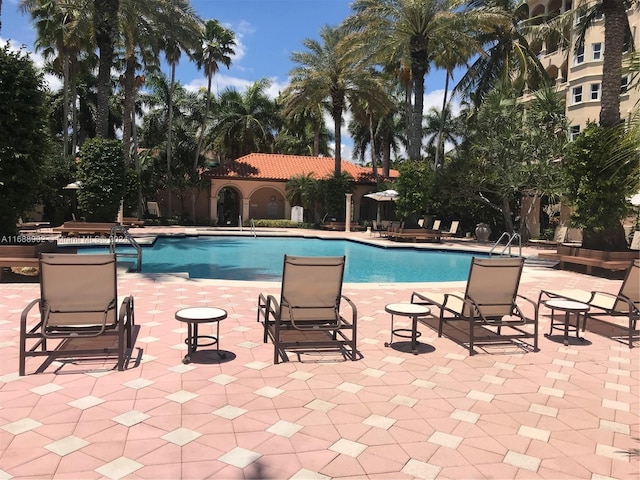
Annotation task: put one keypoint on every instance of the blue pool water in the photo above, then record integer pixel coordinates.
(248, 258)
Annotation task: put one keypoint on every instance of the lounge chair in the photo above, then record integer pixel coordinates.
(436, 225)
(489, 302)
(153, 208)
(559, 236)
(78, 300)
(453, 230)
(624, 303)
(307, 316)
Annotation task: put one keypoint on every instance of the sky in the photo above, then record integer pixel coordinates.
(267, 32)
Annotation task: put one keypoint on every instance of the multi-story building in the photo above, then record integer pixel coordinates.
(578, 74)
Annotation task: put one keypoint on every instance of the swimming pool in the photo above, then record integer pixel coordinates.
(248, 258)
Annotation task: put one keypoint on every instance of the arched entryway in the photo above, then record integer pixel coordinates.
(229, 207)
(267, 203)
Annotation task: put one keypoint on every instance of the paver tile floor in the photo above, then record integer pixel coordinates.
(507, 412)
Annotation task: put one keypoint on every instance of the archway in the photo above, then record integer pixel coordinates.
(267, 203)
(229, 207)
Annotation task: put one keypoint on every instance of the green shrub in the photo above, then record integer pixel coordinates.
(597, 189)
(102, 174)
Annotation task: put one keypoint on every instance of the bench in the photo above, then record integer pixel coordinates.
(132, 222)
(613, 261)
(415, 234)
(26, 255)
(340, 226)
(84, 228)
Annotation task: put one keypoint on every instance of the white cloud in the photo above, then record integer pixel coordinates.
(52, 82)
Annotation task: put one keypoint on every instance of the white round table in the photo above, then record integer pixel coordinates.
(568, 307)
(407, 310)
(195, 316)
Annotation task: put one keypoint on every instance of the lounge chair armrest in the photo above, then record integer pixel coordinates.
(126, 310)
(535, 305)
(354, 310)
(421, 298)
(25, 313)
(272, 307)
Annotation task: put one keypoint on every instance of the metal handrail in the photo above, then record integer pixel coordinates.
(253, 228)
(113, 236)
(511, 238)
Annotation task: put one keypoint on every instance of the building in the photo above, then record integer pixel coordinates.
(578, 74)
(254, 187)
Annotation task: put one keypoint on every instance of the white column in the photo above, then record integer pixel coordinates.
(347, 219)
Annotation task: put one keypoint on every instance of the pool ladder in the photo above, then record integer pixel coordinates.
(511, 238)
(253, 226)
(124, 233)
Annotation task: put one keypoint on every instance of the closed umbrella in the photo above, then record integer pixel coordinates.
(385, 196)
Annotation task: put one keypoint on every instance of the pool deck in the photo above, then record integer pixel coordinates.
(505, 413)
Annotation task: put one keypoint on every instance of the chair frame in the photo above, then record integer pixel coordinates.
(42, 331)
(462, 306)
(335, 326)
(622, 304)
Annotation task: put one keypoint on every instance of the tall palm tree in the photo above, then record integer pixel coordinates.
(302, 114)
(105, 24)
(408, 32)
(616, 30)
(246, 122)
(215, 49)
(63, 33)
(441, 128)
(326, 73)
(181, 40)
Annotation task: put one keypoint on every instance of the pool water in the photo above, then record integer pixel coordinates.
(261, 258)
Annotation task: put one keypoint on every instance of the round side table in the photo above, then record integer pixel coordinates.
(407, 310)
(194, 317)
(569, 307)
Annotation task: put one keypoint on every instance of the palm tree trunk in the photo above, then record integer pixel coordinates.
(440, 148)
(415, 128)
(337, 124)
(386, 155)
(169, 140)
(374, 156)
(615, 22)
(199, 149)
(129, 107)
(65, 95)
(74, 107)
(106, 30)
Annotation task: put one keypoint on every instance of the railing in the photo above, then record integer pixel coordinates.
(253, 228)
(510, 240)
(113, 243)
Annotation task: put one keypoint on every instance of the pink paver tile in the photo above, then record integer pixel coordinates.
(584, 386)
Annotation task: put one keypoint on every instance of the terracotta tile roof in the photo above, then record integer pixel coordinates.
(267, 166)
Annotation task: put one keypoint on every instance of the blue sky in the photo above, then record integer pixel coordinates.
(267, 32)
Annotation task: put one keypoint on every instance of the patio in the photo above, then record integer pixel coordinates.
(564, 412)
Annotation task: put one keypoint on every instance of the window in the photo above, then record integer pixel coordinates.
(579, 58)
(596, 51)
(580, 13)
(574, 131)
(595, 91)
(624, 84)
(576, 94)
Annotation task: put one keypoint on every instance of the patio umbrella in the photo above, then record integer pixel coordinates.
(385, 196)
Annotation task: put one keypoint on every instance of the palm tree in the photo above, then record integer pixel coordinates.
(326, 73)
(63, 32)
(105, 24)
(441, 128)
(407, 32)
(246, 122)
(304, 190)
(182, 39)
(616, 29)
(508, 61)
(306, 113)
(303, 131)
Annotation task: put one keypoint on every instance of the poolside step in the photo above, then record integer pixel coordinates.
(540, 262)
